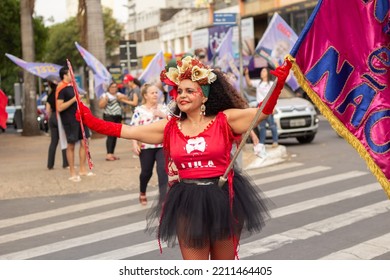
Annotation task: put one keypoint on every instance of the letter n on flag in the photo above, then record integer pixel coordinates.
(342, 60)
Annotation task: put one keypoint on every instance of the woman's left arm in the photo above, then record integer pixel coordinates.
(240, 119)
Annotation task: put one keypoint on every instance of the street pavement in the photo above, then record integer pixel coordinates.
(24, 170)
(327, 205)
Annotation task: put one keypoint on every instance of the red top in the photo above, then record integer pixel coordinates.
(203, 156)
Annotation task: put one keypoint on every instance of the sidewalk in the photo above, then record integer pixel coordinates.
(24, 173)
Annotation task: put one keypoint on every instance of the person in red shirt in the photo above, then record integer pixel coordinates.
(208, 117)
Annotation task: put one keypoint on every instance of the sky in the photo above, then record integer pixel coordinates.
(57, 9)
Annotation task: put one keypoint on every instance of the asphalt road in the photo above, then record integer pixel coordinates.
(327, 206)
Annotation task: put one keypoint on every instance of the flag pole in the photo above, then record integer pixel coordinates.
(223, 178)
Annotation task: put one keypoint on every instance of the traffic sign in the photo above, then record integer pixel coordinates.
(225, 19)
(128, 52)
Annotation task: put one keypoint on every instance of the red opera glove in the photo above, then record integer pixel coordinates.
(96, 124)
(281, 73)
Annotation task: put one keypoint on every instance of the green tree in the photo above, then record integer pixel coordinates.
(113, 32)
(60, 44)
(62, 36)
(10, 42)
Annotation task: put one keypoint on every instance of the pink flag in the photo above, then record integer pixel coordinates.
(342, 60)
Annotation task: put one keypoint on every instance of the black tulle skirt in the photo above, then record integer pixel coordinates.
(199, 214)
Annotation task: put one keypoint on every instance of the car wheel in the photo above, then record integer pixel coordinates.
(306, 139)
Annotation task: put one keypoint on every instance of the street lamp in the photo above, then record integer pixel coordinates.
(133, 14)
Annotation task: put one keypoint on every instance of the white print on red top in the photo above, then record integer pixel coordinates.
(196, 144)
(197, 164)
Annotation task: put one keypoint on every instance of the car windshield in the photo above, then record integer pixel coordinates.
(286, 94)
(10, 110)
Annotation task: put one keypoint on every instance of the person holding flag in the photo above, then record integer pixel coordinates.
(67, 107)
(261, 91)
(204, 212)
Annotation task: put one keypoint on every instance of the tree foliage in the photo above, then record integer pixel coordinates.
(53, 44)
(10, 42)
(62, 38)
(112, 32)
(61, 43)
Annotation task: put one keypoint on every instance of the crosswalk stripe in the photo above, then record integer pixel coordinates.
(67, 210)
(102, 202)
(278, 240)
(314, 183)
(90, 219)
(316, 202)
(70, 223)
(291, 209)
(273, 168)
(292, 174)
(270, 242)
(364, 251)
(74, 242)
(127, 252)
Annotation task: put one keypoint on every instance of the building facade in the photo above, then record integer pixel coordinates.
(168, 24)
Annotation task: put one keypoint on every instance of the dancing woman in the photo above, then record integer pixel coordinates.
(210, 116)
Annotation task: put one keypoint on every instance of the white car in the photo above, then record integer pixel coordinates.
(295, 117)
(11, 113)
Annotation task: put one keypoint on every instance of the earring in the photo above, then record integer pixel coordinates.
(172, 108)
(203, 109)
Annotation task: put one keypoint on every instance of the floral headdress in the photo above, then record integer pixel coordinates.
(188, 68)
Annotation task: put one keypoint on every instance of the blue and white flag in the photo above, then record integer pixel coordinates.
(152, 72)
(101, 75)
(276, 43)
(48, 71)
(223, 56)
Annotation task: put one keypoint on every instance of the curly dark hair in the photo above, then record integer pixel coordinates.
(222, 96)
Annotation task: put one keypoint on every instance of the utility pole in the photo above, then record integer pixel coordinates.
(240, 53)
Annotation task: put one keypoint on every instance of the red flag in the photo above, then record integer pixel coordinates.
(3, 112)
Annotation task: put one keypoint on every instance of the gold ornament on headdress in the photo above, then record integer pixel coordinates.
(192, 69)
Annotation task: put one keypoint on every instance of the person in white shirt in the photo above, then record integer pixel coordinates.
(261, 91)
(112, 112)
(149, 112)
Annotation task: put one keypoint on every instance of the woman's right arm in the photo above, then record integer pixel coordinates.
(151, 133)
(247, 79)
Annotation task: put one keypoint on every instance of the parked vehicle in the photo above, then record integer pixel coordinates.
(294, 116)
(11, 114)
(43, 118)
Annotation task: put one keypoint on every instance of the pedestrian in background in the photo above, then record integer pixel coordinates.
(149, 112)
(261, 92)
(133, 94)
(112, 112)
(53, 128)
(67, 106)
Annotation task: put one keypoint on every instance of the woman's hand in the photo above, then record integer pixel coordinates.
(159, 113)
(96, 124)
(136, 148)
